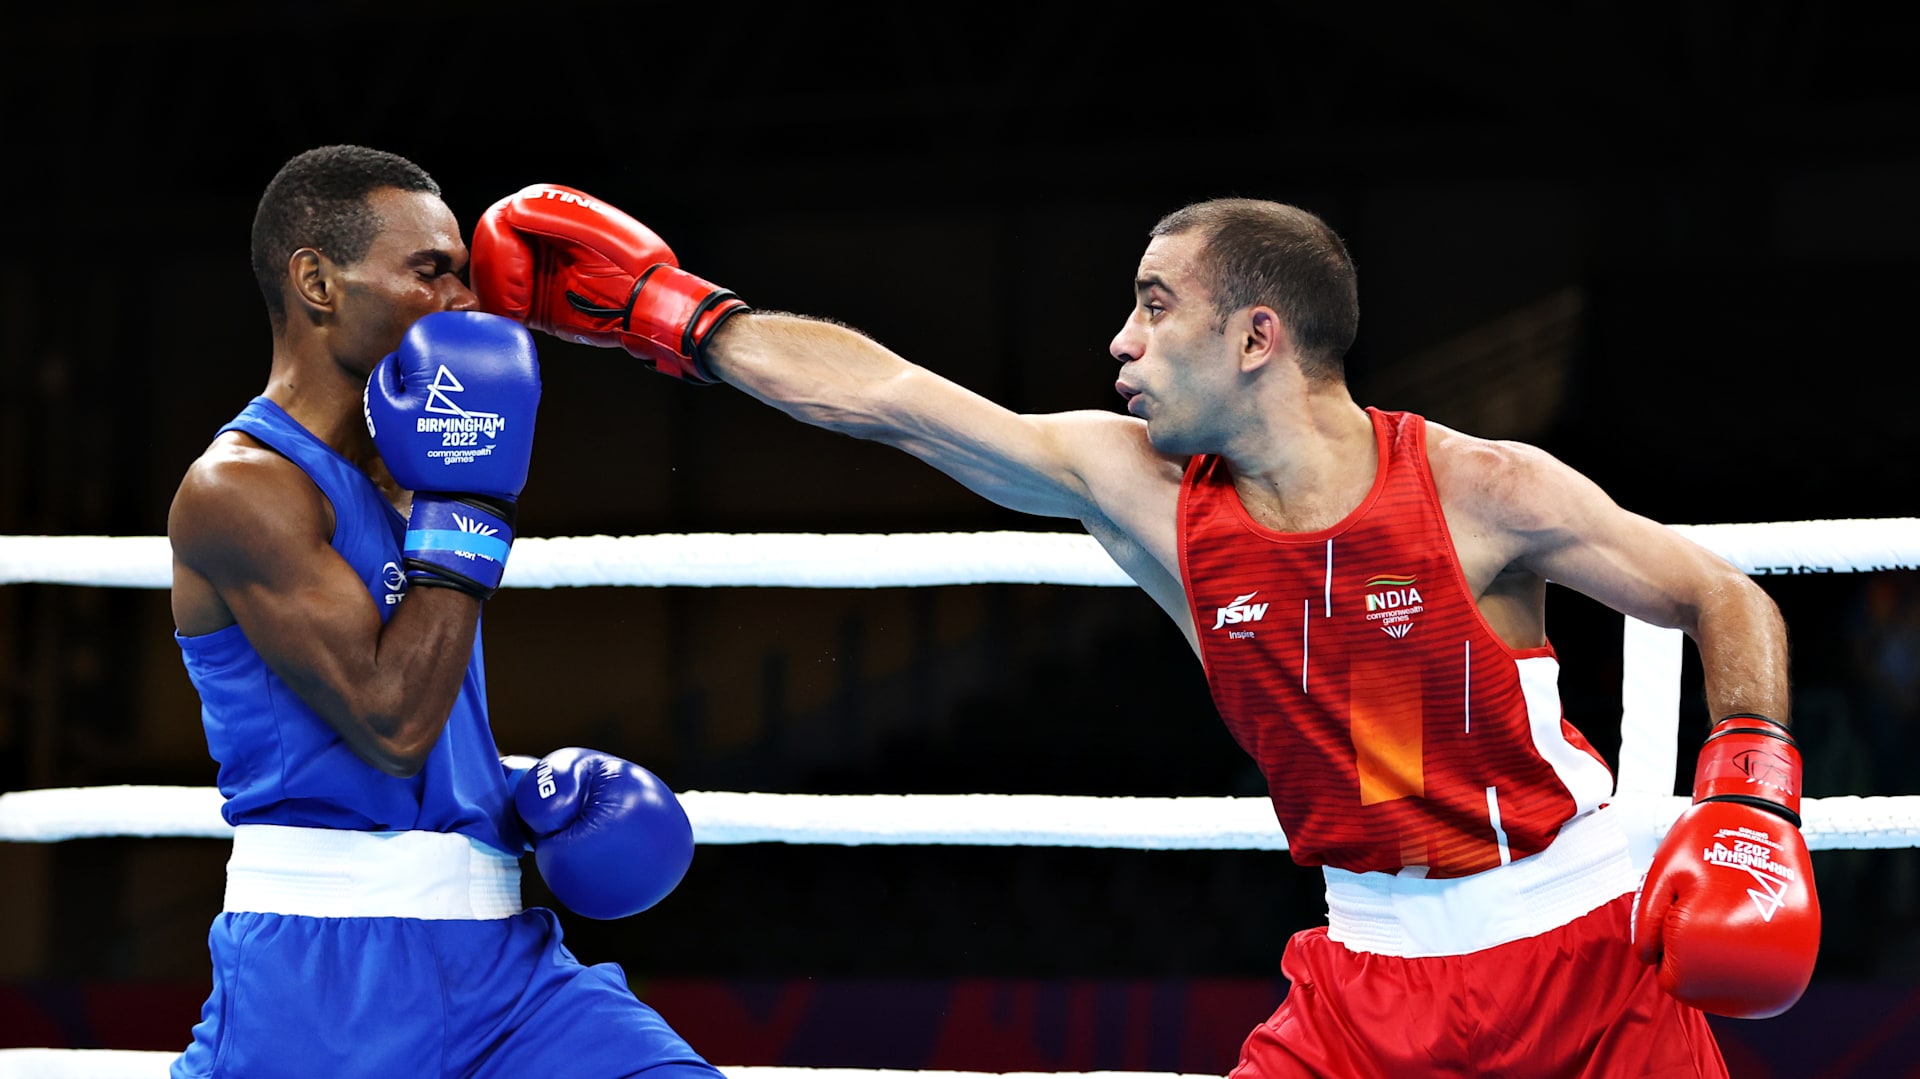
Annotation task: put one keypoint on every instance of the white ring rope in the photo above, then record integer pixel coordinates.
(1649, 716)
(1649, 691)
(695, 560)
(1650, 713)
(990, 820)
(811, 560)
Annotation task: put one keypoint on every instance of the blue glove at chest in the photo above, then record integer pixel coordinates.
(452, 414)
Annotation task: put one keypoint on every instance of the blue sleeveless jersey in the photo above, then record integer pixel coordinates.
(280, 763)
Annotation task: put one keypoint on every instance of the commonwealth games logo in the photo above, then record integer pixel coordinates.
(1392, 600)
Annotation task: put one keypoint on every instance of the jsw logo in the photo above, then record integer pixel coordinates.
(468, 524)
(1241, 611)
(1393, 599)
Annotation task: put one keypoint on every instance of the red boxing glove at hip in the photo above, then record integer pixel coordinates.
(1728, 910)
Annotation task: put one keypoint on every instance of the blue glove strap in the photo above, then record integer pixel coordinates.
(458, 542)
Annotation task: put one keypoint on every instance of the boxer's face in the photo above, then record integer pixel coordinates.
(413, 268)
(1176, 368)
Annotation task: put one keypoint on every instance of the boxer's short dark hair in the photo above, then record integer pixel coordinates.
(319, 199)
(1255, 252)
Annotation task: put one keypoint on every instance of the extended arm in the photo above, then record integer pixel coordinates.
(573, 266)
(576, 267)
(837, 378)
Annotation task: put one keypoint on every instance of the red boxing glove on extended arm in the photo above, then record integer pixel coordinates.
(572, 266)
(1728, 911)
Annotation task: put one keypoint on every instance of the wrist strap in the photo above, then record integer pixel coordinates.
(680, 311)
(459, 541)
(713, 311)
(1753, 760)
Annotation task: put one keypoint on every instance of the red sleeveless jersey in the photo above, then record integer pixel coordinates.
(1394, 727)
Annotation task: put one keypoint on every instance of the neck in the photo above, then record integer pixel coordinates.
(325, 398)
(1307, 460)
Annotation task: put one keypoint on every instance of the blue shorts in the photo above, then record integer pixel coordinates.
(298, 996)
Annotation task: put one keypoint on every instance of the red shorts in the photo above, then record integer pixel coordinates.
(1571, 1002)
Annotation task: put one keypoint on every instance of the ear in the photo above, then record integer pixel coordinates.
(314, 287)
(1263, 338)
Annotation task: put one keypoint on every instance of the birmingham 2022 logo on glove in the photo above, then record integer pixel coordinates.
(459, 429)
(1752, 853)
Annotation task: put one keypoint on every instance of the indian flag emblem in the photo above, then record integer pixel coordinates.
(1391, 592)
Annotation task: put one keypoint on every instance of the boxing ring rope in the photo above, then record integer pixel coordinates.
(1649, 713)
(980, 820)
(811, 560)
(1650, 682)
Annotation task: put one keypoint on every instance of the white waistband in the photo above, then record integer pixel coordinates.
(1585, 867)
(331, 873)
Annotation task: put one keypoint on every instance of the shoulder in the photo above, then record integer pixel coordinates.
(1511, 485)
(238, 493)
(1106, 427)
(1112, 454)
(238, 469)
(1100, 436)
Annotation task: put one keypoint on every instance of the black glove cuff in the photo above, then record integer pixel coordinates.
(697, 350)
(422, 574)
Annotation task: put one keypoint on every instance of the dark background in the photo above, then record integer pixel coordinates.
(1676, 248)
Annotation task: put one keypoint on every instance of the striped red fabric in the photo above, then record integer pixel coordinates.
(1393, 726)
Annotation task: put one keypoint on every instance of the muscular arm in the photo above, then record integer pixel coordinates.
(1095, 467)
(1546, 518)
(250, 545)
(833, 377)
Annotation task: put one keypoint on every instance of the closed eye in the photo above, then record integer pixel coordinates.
(431, 264)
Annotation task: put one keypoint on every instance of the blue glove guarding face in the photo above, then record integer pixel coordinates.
(452, 414)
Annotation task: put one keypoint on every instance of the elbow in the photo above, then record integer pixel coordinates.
(400, 762)
(393, 750)
(1734, 599)
(398, 765)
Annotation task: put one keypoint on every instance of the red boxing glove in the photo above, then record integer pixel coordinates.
(1728, 910)
(570, 265)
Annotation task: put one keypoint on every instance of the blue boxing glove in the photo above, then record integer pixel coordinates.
(609, 837)
(452, 415)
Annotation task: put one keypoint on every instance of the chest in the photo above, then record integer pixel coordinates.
(1380, 567)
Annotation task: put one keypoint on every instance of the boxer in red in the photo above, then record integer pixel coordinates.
(1366, 591)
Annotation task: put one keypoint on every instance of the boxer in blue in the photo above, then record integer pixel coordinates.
(331, 552)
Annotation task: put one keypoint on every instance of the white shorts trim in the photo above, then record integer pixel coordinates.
(1584, 868)
(332, 873)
